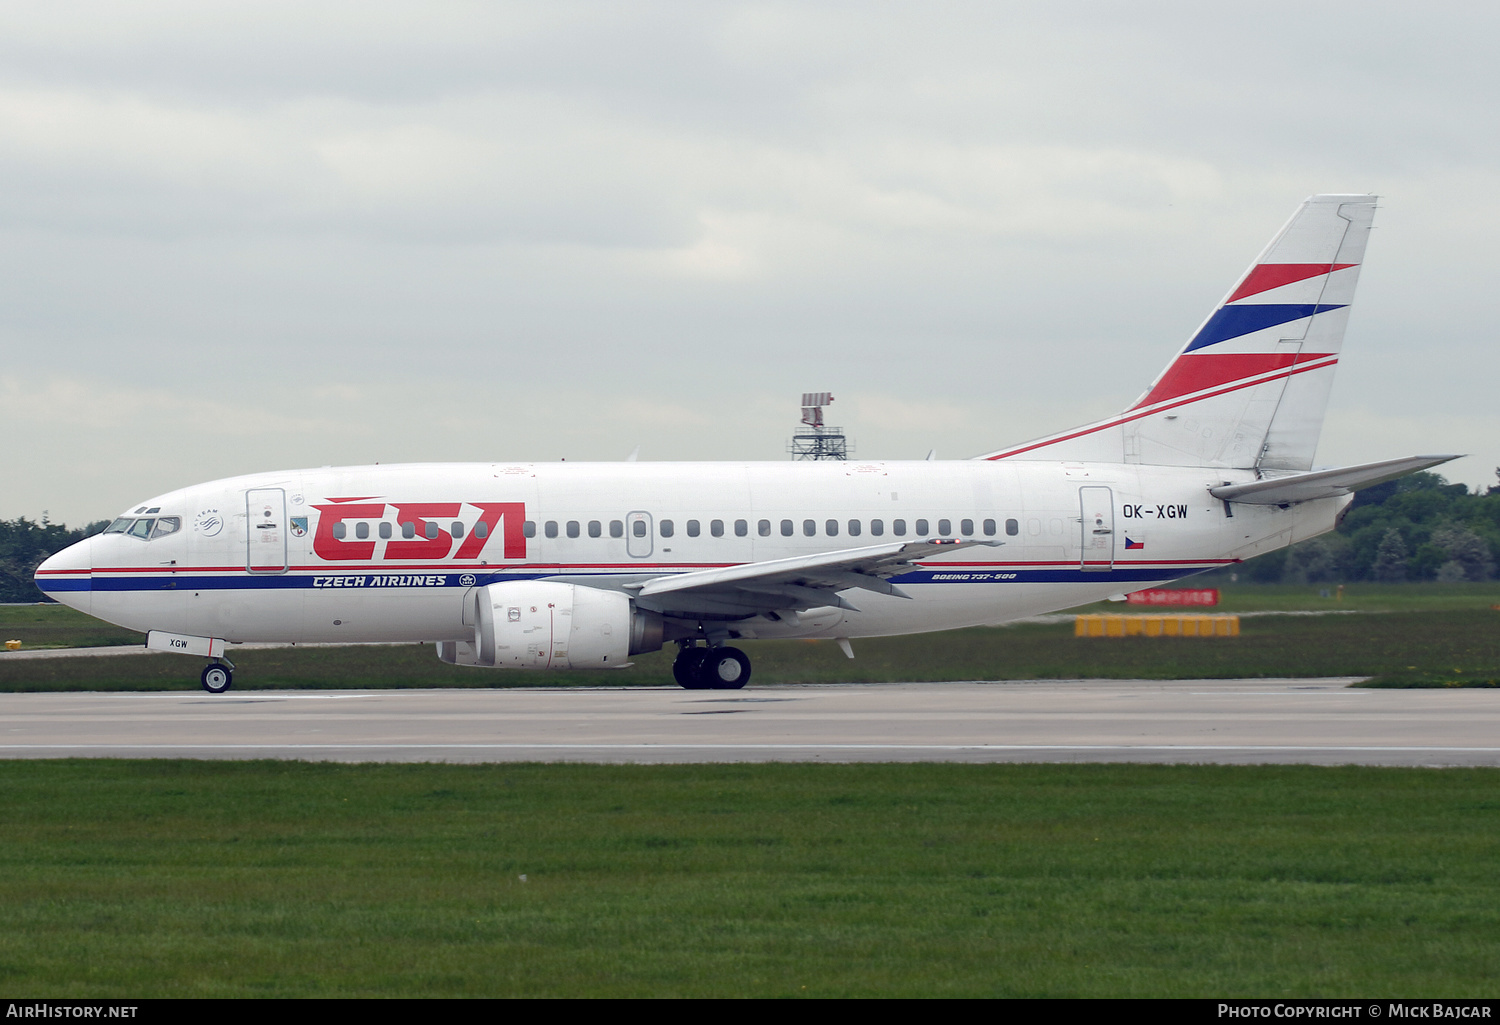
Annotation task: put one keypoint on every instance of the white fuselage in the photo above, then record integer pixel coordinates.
(392, 553)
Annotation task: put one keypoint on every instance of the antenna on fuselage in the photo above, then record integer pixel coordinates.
(815, 439)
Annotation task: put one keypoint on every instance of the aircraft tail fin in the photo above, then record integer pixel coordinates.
(1250, 387)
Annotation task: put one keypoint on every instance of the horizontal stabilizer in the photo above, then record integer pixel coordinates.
(1305, 487)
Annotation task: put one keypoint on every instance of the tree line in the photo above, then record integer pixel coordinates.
(1417, 528)
(24, 544)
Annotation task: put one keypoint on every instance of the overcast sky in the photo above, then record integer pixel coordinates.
(239, 237)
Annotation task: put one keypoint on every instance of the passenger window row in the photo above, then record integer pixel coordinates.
(408, 530)
(149, 528)
(788, 528)
(692, 528)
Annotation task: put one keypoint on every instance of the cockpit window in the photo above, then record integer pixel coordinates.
(141, 529)
(167, 525)
(119, 526)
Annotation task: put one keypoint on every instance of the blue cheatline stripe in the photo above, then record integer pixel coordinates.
(407, 583)
(73, 584)
(1234, 321)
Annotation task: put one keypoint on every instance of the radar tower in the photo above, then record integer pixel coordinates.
(815, 439)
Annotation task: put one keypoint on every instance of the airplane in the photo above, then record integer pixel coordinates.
(525, 565)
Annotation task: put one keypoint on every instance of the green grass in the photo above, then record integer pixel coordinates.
(57, 626)
(189, 879)
(1409, 635)
(1393, 647)
(1424, 597)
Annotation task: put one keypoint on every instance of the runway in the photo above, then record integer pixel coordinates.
(1189, 721)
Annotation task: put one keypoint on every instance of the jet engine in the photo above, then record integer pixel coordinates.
(538, 624)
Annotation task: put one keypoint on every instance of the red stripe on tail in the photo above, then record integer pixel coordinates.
(1193, 372)
(1273, 275)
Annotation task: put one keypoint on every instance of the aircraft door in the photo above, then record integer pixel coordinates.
(265, 530)
(638, 540)
(1098, 526)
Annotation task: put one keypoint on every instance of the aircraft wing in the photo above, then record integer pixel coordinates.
(1304, 487)
(795, 584)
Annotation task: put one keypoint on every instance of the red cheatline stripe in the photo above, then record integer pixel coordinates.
(1273, 275)
(1117, 421)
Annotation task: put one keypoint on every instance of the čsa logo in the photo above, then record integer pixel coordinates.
(431, 535)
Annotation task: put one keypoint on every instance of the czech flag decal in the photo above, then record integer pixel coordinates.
(1129, 544)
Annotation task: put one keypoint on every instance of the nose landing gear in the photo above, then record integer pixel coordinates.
(720, 668)
(217, 676)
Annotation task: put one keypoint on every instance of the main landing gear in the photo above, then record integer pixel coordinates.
(217, 676)
(712, 668)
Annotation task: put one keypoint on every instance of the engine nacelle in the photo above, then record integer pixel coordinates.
(538, 624)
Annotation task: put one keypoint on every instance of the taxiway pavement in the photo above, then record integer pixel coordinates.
(1221, 721)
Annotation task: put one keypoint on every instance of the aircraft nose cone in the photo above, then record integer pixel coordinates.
(65, 576)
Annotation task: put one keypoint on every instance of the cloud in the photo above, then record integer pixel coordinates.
(241, 236)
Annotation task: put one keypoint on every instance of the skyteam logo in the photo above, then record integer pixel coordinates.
(208, 522)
